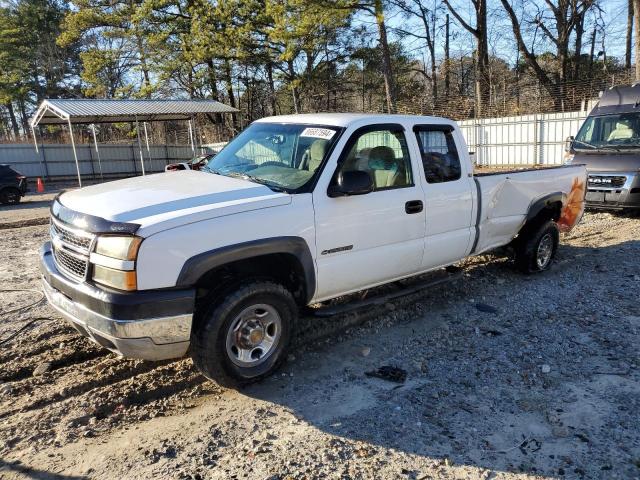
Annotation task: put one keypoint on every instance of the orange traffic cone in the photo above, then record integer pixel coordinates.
(40, 185)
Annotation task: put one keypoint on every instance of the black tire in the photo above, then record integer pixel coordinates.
(210, 336)
(531, 255)
(10, 196)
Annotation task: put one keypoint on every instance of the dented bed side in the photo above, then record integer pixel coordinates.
(505, 200)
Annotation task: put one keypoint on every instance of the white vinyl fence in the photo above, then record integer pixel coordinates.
(116, 160)
(525, 140)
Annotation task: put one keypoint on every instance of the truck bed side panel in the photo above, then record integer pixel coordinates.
(505, 201)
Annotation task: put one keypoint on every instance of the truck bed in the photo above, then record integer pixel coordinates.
(505, 198)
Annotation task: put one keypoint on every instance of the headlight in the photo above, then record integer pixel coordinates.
(122, 248)
(120, 279)
(114, 261)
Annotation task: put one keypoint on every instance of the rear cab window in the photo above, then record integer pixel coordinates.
(438, 152)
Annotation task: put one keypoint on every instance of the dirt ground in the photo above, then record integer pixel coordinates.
(508, 376)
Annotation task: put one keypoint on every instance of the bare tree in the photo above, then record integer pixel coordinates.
(447, 73)
(636, 25)
(479, 32)
(629, 38)
(427, 18)
(567, 15)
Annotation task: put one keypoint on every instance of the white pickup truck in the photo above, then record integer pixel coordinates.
(296, 210)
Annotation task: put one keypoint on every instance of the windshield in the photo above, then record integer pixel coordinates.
(281, 156)
(609, 132)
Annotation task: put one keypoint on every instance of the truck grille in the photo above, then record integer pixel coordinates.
(607, 181)
(71, 265)
(75, 238)
(71, 248)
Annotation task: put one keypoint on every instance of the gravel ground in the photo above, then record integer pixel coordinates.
(508, 376)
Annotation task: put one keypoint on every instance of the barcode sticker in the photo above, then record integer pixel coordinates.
(315, 132)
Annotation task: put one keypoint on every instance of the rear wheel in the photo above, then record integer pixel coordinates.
(10, 195)
(536, 247)
(243, 336)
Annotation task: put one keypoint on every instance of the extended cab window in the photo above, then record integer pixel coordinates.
(383, 154)
(439, 154)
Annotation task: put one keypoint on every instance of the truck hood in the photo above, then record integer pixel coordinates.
(166, 200)
(609, 162)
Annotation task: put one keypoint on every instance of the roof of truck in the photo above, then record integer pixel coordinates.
(346, 119)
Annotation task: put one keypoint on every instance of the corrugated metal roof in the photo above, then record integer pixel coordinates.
(55, 111)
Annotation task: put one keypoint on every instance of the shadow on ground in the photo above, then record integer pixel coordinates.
(548, 387)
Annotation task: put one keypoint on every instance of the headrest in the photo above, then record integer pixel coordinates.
(318, 149)
(382, 158)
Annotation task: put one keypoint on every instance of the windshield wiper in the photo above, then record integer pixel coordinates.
(207, 168)
(586, 144)
(261, 181)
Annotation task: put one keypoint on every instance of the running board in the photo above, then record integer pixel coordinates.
(349, 307)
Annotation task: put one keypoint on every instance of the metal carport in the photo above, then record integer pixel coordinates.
(89, 111)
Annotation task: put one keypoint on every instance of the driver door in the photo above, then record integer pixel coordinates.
(370, 239)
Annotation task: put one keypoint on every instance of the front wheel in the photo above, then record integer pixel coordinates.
(244, 336)
(537, 248)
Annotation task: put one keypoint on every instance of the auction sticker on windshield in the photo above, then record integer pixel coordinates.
(315, 132)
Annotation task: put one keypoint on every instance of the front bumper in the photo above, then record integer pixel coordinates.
(618, 197)
(150, 325)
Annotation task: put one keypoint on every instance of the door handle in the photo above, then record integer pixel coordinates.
(413, 206)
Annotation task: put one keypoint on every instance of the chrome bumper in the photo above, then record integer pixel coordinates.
(606, 196)
(154, 337)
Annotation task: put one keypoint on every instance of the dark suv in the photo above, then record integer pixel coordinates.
(13, 185)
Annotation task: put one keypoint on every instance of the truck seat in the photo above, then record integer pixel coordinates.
(622, 131)
(385, 169)
(316, 154)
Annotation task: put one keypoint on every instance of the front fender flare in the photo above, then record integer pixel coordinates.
(197, 266)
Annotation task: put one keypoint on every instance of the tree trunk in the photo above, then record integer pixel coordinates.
(213, 83)
(430, 39)
(228, 78)
(143, 66)
(213, 86)
(23, 117)
(446, 60)
(629, 39)
(482, 56)
(272, 88)
(578, 47)
(294, 89)
(636, 25)
(14, 122)
(592, 51)
(481, 59)
(386, 58)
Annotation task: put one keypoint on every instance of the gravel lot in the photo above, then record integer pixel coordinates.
(509, 376)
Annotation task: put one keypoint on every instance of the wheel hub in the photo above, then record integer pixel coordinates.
(251, 335)
(545, 251)
(254, 335)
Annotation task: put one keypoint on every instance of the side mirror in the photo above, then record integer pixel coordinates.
(353, 182)
(568, 143)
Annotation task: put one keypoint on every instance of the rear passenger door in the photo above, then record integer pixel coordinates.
(448, 196)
